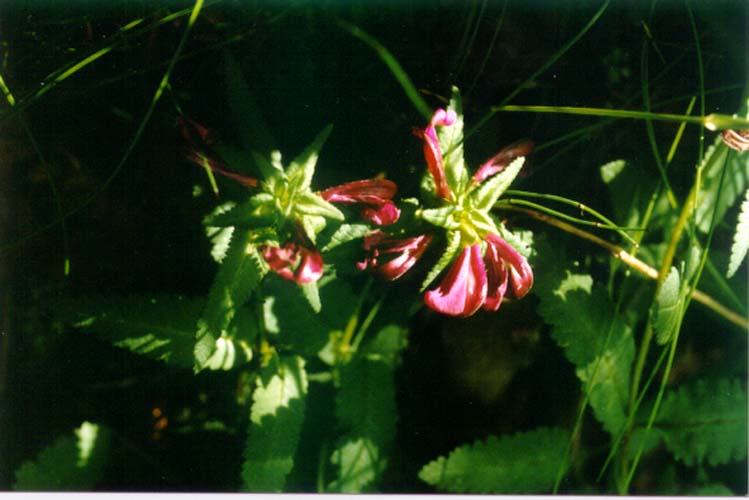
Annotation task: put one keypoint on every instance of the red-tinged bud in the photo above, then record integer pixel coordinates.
(202, 160)
(193, 132)
(498, 162)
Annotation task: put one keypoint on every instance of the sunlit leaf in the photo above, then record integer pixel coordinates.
(71, 463)
(238, 276)
(346, 233)
(668, 304)
(302, 168)
(312, 294)
(594, 336)
(313, 204)
(487, 194)
(520, 463)
(451, 144)
(275, 425)
(705, 422)
(161, 327)
(714, 196)
(441, 217)
(740, 238)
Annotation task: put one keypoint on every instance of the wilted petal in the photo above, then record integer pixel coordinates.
(463, 290)
(377, 193)
(498, 162)
(432, 151)
(406, 250)
(371, 191)
(521, 273)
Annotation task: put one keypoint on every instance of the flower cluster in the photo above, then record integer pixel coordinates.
(484, 265)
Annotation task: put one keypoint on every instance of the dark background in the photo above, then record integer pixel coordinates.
(143, 232)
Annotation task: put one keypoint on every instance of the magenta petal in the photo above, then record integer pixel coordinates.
(463, 289)
(432, 151)
(310, 269)
(496, 278)
(520, 271)
(407, 251)
(384, 215)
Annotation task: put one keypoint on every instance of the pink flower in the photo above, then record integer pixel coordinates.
(432, 151)
(498, 162)
(376, 194)
(406, 250)
(294, 262)
(473, 282)
(464, 289)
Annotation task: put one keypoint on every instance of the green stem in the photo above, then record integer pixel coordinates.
(711, 122)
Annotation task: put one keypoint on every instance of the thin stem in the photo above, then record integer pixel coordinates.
(711, 122)
(632, 261)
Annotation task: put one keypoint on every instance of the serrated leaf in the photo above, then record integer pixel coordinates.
(705, 422)
(276, 422)
(237, 277)
(668, 305)
(314, 204)
(521, 463)
(71, 463)
(594, 336)
(487, 194)
(440, 217)
(346, 233)
(161, 327)
(740, 238)
(453, 247)
(366, 409)
(451, 145)
(521, 241)
(250, 214)
(717, 197)
(302, 169)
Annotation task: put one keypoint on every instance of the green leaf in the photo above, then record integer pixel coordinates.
(453, 247)
(312, 294)
(366, 409)
(611, 170)
(302, 169)
(71, 463)
(734, 183)
(314, 204)
(346, 233)
(288, 316)
(440, 217)
(521, 463)
(594, 336)
(668, 302)
(487, 194)
(161, 327)
(276, 422)
(705, 422)
(253, 213)
(238, 276)
(451, 144)
(740, 238)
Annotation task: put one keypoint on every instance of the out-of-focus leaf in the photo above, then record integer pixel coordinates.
(668, 303)
(740, 238)
(71, 463)
(594, 336)
(521, 463)
(366, 409)
(239, 275)
(705, 422)
(275, 425)
(715, 197)
(161, 327)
